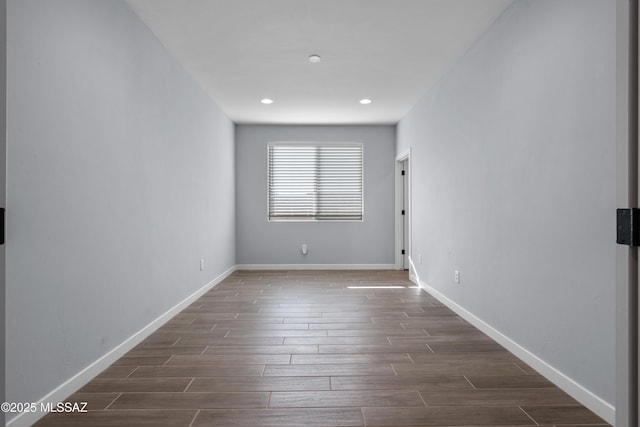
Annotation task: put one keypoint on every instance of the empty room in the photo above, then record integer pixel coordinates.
(321, 213)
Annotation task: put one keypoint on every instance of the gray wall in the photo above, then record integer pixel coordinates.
(368, 242)
(121, 178)
(3, 188)
(514, 184)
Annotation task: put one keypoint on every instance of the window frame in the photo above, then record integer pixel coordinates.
(315, 219)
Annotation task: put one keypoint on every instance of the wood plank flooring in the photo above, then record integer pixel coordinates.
(320, 348)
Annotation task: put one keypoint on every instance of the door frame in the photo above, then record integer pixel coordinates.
(400, 158)
(627, 186)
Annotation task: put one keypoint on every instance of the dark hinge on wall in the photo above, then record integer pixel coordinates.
(402, 172)
(402, 211)
(403, 252)
(628, 226)
(1, 226)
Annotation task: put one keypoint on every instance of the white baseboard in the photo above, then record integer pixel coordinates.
(76, 382)
(601, 408)
(316, 267)
(578, 392)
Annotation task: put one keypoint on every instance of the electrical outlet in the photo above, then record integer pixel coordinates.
(304, 249)
(456, 276)
(201, 263)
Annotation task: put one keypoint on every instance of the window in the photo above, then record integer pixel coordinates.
(310, 182)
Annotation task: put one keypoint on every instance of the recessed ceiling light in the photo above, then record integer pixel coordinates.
(314, 58)
(266, 101)
(365, 101)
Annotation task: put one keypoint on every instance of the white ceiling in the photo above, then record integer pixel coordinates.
(391, 51)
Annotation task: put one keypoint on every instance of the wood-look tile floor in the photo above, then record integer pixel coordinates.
(320, 348)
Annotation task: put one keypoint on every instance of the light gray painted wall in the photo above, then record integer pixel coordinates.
(514, 183)
(120, 179)
(261, 242)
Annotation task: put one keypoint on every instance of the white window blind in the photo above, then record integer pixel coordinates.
(315, 182)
